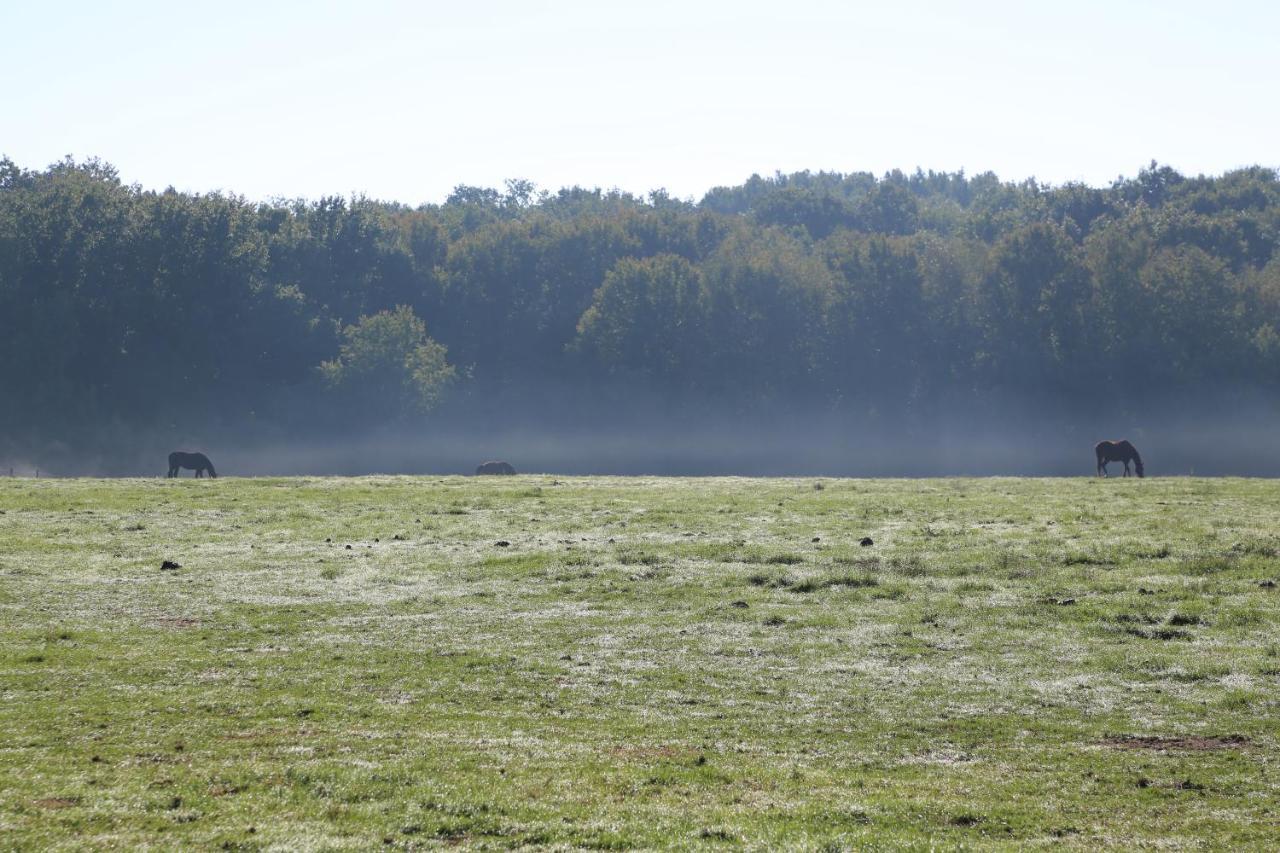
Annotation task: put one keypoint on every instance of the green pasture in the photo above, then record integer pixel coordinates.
(416, 662)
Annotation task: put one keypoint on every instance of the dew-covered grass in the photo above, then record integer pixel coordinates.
(630, 662)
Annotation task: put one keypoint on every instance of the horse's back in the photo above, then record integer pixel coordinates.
(185, 459)
(1108, 445)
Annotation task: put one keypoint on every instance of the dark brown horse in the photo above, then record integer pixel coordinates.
(197, 462)
(1117, 451)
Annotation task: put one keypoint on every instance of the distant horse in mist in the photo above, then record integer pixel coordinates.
(197, 462)
(1117, 451)
(495, 468)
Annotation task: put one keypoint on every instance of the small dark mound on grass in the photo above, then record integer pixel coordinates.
(170, 566)
(1192, 744)
(866, 541)
(502, 543)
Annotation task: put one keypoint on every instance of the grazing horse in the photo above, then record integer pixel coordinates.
(1117, 451)
(193, 461)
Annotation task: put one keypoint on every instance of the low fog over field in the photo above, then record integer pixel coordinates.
(1238, 439)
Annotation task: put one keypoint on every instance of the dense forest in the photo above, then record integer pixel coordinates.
(890, 300)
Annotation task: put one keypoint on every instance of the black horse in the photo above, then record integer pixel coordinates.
(1117, 451)
(192, 461)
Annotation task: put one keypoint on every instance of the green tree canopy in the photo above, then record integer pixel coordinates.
(387, 363)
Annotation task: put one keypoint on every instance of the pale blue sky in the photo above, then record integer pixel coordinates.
(403, 100)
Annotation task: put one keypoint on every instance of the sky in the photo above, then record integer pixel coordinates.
(405, 100)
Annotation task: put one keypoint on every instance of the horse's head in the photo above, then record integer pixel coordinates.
(1137, 467)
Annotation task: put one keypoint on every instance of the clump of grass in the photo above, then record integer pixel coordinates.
(1151, 627)
(891, 591)
(717, 835)
(1085, 559)
(755, 555)
(1178, 617)
(1239, 617)
(909, 566)
(638, 558)
(865, 563)
(1158, 633)
(769, 580)
(1256, 548)
(849, 580)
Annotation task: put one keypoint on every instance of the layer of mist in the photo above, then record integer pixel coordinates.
(1227, 437)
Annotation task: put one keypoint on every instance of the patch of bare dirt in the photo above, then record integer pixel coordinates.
(56, 802)
(1193, 744)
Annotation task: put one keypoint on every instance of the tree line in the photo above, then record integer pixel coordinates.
(861, 295)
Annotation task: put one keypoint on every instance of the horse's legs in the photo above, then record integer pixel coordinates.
(1102, 468)
(1126, 467)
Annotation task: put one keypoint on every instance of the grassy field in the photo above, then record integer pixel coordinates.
(608, 663)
